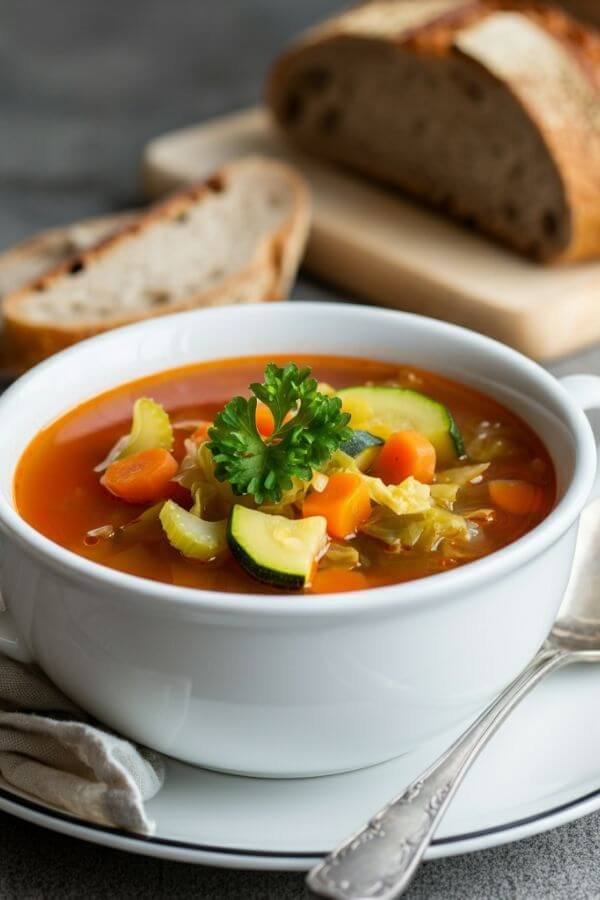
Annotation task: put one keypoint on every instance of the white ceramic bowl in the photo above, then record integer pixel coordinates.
(289, 685)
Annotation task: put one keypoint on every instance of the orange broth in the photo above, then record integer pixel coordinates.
(58, 492)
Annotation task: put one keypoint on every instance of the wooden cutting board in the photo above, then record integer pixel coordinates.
(377, 245)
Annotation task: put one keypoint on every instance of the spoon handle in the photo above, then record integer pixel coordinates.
(379, 861)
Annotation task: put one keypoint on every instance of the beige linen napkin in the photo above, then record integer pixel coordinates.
(51, 749)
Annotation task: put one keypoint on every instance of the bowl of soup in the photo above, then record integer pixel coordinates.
(288, 541)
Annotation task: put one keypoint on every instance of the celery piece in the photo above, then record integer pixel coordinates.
(150, 428)
(195, 538)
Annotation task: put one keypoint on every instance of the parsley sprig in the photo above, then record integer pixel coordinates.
(264, 467)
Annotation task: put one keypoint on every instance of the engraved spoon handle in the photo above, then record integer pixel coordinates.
(379, 861)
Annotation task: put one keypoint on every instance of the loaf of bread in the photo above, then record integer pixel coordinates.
(236, 238)
(488, 110)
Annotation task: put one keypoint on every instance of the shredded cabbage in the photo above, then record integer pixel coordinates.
(424, 531)
(190, 472)
(481, 515)
(339, 462)
(103, 532)
(440, 525)
(410, 496)
(290, 499)
(493, 440)
(444, 494)
(391, 529)
(461, 474)
(341, 556)
(212, 498)
(137, 529)
(186, 424)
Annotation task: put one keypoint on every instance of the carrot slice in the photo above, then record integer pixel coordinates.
(332, 581)
(406, 453)
(142, 477)
(345, 503)
(201, 433)
(517, 497)
(265, 423)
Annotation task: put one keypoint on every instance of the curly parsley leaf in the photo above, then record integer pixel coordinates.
(264, 467)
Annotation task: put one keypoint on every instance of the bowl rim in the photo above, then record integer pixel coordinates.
(422, 591)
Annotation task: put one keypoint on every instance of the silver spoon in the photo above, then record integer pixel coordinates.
(380, 860)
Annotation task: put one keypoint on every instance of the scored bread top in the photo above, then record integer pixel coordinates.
(388, 19)
(430, 25)
(191, 244)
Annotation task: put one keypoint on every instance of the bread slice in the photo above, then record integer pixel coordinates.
(488, 110)
(235, 238)
(31, 258)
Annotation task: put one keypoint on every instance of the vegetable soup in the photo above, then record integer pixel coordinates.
(260, 475)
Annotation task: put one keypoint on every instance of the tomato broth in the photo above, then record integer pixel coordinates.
(59, 493)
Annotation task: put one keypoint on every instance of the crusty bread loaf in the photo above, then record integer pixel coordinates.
(235, 238)
(489, 110)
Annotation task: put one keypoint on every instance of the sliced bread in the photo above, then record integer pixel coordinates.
(26, 261)
(488, 110)
(236, 238)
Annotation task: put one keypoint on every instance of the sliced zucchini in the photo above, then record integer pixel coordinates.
(275, 550)
(150, 428)
(363, 448)
(193, 537)
(383, 410)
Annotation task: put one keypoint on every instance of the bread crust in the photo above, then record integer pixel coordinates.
(267, 277)
(36, 254)
(573, 148)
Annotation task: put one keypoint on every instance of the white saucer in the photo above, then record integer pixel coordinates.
(541, 770)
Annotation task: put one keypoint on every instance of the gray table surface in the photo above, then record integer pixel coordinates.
(83, 85)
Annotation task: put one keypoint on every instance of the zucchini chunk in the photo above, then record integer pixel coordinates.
(384, 410)
(193, 537)
(275, 550)
(362, 448)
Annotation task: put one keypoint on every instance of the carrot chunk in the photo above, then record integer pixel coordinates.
(201, 433)
(333, 581)
(345, 503)
(142, 477)
(406, 453)
(265, 423)
(517, 497)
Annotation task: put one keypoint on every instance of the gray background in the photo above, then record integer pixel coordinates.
(83, 85)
